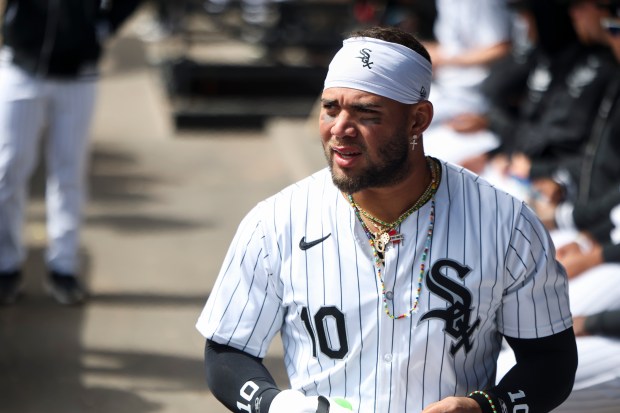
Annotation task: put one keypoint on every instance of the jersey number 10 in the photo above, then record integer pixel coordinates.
(324, 316)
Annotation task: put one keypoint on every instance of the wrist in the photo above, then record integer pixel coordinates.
(263, 401)
(487, 402)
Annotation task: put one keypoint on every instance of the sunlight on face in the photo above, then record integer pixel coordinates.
(365, 139)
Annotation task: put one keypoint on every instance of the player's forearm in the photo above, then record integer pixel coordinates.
(243, 384)
(606, 323)
(238, 380)
(543, 376)
(480, 56)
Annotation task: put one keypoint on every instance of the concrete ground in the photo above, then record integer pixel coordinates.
(163, 208)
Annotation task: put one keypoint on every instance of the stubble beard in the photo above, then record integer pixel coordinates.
(391, 169)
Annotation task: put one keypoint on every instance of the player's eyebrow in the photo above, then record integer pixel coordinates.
(362, 107)
(366, 107)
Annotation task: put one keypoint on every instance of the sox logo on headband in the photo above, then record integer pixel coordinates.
(383, 68)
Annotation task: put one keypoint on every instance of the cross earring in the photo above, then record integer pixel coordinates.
(414, 142)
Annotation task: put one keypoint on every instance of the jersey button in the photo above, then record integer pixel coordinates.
(389, 295)
(387, 358)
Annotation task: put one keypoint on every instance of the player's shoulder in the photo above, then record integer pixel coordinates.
(300, 195)
(459, 179)
(318, 181)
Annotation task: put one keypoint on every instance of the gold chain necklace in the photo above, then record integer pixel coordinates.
(386, 232)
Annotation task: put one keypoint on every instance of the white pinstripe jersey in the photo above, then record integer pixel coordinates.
(490, 271)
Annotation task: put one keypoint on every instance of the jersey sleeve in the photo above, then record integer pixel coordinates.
(244, 309)
(535, 300)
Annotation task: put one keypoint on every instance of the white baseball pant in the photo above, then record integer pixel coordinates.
(63, 109)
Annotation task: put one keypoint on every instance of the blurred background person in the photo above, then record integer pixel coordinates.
(559, 126)
(585, 224)
(543, 100)
(470, 35)
(578, 195)
(48, 79)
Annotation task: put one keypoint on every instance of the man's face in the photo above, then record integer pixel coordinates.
(586, 16)
(365, 138)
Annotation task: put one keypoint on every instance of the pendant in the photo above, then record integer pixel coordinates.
(381, 241)
(395, 237)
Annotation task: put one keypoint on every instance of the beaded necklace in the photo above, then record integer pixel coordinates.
(378, 256)
(386, 232)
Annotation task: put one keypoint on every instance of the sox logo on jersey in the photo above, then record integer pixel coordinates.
(458, 314)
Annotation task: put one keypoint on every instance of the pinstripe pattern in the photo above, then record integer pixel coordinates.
(390, 365)
(28, 107)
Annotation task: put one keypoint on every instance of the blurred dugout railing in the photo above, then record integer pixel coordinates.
(297, 39)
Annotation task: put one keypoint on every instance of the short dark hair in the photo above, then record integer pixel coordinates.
(393, 35)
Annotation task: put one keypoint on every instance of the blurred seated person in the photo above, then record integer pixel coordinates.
(470, 35)
(567, 71)
(587, 228)
(588, 233)
(581, 194)
(461, 56)
(569, 114)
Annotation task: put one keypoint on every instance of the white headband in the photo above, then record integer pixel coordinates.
(383, 68)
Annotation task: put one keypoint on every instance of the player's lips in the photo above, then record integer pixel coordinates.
(345, 156)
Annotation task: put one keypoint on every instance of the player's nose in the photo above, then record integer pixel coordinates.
(343, 126)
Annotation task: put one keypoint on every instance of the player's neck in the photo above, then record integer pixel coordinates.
(389, 203)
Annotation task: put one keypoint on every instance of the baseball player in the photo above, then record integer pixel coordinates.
(48, 73)
(391, 276)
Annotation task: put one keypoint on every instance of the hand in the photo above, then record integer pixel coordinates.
(577, 260)
(566, 250)
(453, 405)
(294, 401)
(579, 326)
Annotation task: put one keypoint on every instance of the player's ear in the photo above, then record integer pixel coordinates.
(421, 116)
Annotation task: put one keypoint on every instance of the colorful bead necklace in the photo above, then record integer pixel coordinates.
(386, 232)
(378, 256)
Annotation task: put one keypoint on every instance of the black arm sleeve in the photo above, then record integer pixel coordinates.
(594, 215)
(238, 380)
(606, 323)
(542, 378)
(611, 253)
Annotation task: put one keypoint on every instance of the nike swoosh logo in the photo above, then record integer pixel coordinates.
(303, 245)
